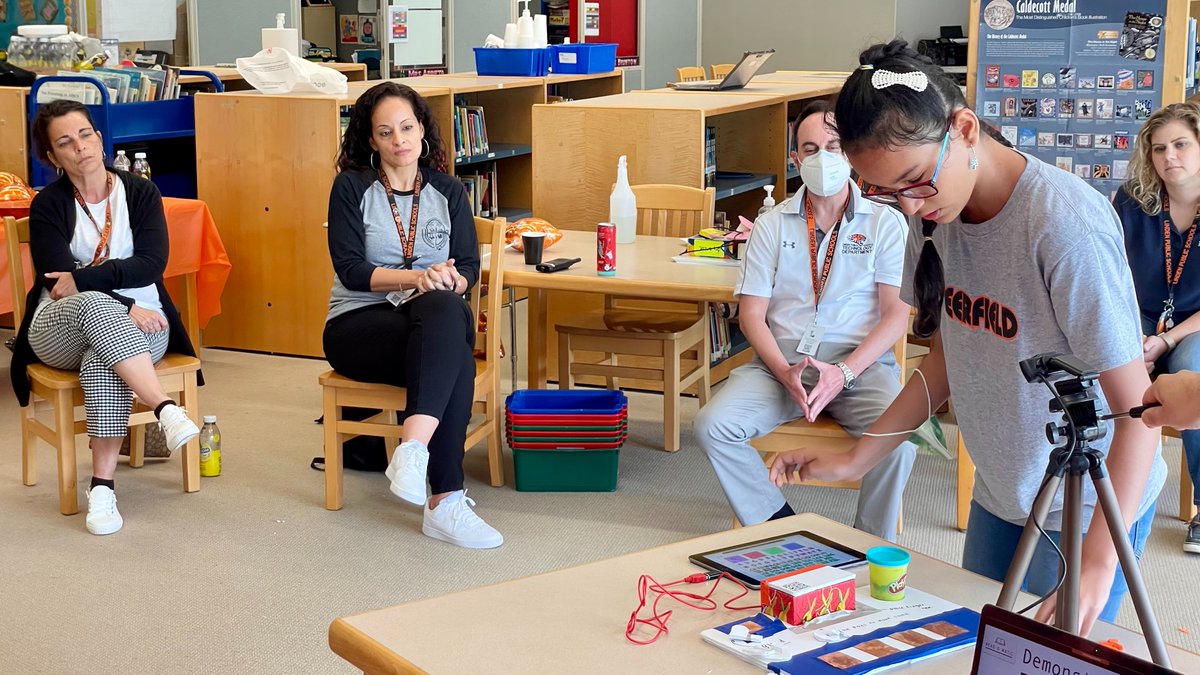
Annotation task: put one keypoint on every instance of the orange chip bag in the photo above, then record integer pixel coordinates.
(512, 234)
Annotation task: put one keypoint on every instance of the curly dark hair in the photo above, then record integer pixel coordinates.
(40, 129)
(356, 151)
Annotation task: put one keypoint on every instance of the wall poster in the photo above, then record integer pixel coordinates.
(1071, 81)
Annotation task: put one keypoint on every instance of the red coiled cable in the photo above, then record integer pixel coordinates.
(658, 620)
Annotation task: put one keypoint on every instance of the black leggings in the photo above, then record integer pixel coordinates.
(427, 347)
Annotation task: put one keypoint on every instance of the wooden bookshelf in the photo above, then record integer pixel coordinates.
(265, 165)
(590, 85)
(14, 125)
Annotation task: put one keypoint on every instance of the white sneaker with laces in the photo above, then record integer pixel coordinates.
(103, 516)
(176, 426)
(407, 470)
(454, 521)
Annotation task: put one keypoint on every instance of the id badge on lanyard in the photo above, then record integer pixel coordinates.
(810, 340)
(1165, 320)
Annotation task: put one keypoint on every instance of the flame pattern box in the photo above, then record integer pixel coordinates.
(805, 594)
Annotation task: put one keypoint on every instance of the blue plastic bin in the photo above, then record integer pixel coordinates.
(566, 402)
(579, 59)
(512, 62)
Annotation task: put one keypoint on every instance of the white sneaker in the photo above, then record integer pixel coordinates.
(407, 471)
(103, 516)
(453, 521)
(176, 426)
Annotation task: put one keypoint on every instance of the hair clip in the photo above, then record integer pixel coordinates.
(866, 66)
(915, 80)
(928, 238)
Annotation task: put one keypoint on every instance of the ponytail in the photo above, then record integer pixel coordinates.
(929, 285)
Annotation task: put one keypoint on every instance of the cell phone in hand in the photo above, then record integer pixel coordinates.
(556, 265)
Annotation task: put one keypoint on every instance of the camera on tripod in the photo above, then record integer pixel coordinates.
(1074, 385)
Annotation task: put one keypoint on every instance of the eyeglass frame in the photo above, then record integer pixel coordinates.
(890, 197)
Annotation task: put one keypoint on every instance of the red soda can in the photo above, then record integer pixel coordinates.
(606, 249)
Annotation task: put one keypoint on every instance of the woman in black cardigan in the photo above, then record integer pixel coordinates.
(98, 239)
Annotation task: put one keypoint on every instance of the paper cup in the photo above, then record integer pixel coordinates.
(533, 242)
(888, 569)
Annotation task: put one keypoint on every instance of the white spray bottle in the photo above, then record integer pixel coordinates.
(622, 205)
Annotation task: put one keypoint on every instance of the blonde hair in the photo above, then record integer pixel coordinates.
(1144, 183)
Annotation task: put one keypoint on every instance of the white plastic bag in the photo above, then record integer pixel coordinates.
(276, 71)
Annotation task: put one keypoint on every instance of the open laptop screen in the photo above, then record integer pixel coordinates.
(1009, 643)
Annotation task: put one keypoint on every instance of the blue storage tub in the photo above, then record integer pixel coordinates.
(512, 62)
(580, 59)
(566, 402)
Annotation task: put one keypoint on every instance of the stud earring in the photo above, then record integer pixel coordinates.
(973, 162)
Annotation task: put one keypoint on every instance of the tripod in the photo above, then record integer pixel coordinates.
(1075, 398)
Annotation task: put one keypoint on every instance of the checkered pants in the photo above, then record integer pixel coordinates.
(92, 332)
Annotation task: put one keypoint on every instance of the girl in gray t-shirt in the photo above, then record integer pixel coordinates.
(1008, 257)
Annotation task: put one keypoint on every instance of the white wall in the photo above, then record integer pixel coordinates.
(920, 19)
(805, 34)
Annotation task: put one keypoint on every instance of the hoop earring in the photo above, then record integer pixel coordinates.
(58, 170)
(973, 162)
(428, 148)
(372, 161)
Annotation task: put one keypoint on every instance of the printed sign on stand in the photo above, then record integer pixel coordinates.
(1071, 81)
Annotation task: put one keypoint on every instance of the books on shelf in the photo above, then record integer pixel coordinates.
(481, 191)
(724, 334)
(470, 130)
(791, 136)
(124, 85)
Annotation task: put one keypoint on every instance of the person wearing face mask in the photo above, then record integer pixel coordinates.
(1008, 257)
(819, 302)
(1160, 204)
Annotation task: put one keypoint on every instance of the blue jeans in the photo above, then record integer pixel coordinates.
(991, 543)
(1185, 356)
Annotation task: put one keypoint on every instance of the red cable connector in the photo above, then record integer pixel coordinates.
(658, 620)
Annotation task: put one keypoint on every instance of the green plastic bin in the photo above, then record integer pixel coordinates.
(566, 470)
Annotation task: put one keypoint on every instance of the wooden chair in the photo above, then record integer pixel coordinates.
(338, 391)
(665, 330)
(60, 391)
(823, 433)
(966, 484)
(720, 70)
(689, 73)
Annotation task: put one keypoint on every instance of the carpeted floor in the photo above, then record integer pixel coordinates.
(245, 575)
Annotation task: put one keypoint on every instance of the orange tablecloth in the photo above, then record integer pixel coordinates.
(195, 247)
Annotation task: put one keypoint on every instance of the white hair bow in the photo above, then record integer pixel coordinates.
(915, 80)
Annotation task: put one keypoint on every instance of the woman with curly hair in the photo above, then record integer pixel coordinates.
(1159, 206)
(402, 239)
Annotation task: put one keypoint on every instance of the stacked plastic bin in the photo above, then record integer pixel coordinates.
(566, 440)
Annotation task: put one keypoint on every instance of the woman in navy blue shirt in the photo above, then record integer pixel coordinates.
(1159, 206)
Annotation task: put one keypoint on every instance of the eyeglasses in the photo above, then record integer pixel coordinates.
(922, 190)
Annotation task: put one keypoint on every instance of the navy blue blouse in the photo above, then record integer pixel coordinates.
(1144, 247)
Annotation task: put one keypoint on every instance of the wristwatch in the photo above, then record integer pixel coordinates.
(846, 373)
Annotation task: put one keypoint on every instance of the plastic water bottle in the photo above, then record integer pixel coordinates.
(141, 167)
(622, 205)
(768, 201)
(121, 163)
(210, 447)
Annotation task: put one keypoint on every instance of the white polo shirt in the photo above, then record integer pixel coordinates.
(775, 265)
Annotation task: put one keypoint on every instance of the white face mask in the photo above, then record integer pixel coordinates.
(825, 173)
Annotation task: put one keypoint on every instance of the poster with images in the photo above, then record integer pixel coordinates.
(397, 24)
(366, 29)
(1071, 81)
(348, 28)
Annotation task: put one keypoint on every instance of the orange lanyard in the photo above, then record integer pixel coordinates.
(1164, 320)
(409, 241)
(819, 283)
(101, 253)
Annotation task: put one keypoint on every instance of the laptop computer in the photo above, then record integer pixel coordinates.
(736, 79)
(1009, 643)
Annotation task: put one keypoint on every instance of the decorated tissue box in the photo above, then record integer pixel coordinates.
(805, 594)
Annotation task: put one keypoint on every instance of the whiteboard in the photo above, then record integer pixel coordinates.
(137, 20)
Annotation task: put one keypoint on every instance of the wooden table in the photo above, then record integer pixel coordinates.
(573, 620)
(644, 270)
(232, 80)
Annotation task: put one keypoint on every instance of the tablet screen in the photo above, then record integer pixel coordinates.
(763, 559)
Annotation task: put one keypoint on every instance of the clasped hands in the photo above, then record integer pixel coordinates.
(147, 321)
(829, 384)
(439, 277)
